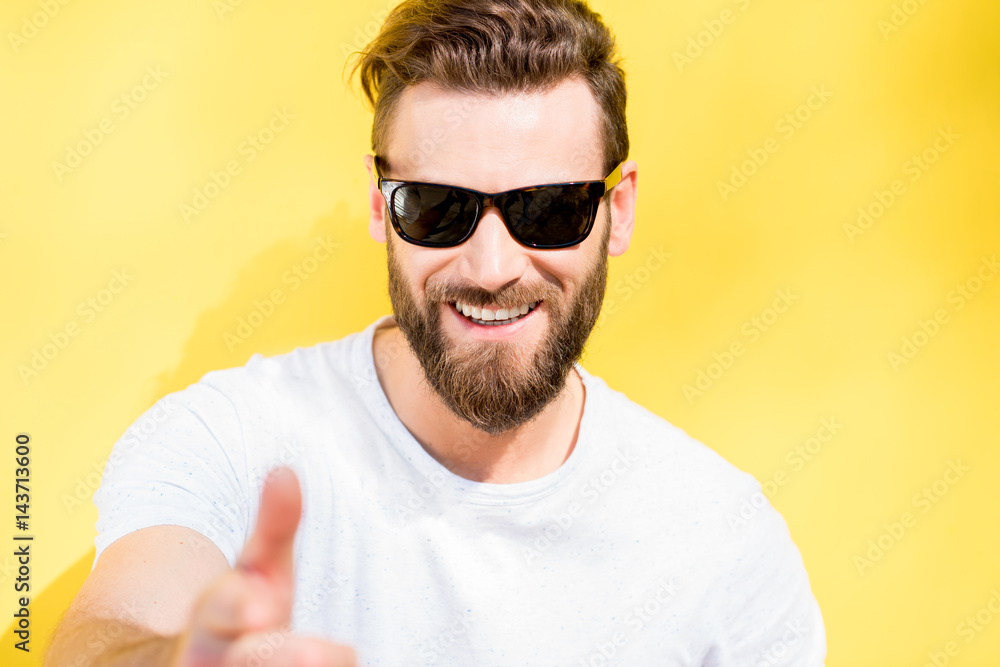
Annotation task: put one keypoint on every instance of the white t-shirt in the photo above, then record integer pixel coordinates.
(639, 550)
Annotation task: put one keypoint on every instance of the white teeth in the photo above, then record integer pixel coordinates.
(500, 315)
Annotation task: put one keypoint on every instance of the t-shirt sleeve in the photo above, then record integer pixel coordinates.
(764, 609)
(182, 462)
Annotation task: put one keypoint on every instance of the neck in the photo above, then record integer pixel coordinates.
(528, 452)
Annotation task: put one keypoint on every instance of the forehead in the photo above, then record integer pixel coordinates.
(494, 143)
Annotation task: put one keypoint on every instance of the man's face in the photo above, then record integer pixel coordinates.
(496, 377)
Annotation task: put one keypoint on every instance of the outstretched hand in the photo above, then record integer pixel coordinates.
(244, 616)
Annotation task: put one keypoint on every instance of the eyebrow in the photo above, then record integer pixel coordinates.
(382, 169)
(610, 181)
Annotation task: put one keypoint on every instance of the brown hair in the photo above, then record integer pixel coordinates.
(495, 47)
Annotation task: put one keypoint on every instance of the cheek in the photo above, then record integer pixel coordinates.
(424, 269)
(570, 273)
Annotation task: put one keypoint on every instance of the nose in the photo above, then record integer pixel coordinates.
(491, 257)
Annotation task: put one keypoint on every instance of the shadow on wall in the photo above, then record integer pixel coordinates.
(295, 293)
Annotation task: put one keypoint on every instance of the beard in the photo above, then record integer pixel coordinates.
(497, 386)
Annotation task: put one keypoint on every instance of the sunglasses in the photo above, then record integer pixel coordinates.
(558, 215)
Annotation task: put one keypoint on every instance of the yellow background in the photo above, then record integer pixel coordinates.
(226, 68)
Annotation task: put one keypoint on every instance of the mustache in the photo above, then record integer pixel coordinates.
(477, 297)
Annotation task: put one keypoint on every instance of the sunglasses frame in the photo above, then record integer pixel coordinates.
(597, 189)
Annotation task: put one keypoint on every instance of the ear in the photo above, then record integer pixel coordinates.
(376, 205)
(622, 203)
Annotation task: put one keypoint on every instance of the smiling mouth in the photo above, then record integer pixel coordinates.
(491, 318)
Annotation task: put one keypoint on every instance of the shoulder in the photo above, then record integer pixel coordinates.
(714, 520)
(694, 471)
(302, 374)
(269, 406)
(691, 494)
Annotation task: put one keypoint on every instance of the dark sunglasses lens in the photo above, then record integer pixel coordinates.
(551, 215)
(433, 214)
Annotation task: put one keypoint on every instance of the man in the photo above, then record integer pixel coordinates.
(449, 486)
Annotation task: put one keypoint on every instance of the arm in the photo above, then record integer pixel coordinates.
(137, 600)
(166, 596)
(763, 607)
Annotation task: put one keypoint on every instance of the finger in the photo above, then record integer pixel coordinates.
(257, 594)
(267, 559)
(225, 611)
(222, 610)
(269, 552)
(280, 649)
